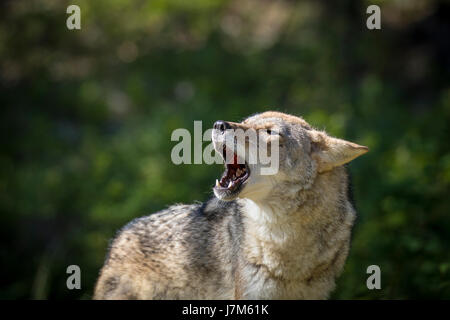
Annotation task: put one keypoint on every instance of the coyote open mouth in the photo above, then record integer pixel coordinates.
(234, 176)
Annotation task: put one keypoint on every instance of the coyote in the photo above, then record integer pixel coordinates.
(279, 236)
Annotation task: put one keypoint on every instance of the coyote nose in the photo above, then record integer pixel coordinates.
(221, 125)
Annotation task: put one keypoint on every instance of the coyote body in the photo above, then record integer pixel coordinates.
(281, 236)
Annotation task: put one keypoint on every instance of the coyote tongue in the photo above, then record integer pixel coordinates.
(234, 175)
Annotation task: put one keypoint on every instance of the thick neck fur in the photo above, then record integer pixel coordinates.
(291, 235)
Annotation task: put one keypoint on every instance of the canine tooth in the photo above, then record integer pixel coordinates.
(230, 184)
(217, 183)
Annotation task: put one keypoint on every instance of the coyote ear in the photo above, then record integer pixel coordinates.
(331, 152)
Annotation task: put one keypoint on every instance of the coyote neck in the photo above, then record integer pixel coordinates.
(277, 227)
(299, 238)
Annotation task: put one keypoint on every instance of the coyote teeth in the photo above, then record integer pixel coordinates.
(230, 184)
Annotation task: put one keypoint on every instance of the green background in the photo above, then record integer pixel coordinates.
(86, 119)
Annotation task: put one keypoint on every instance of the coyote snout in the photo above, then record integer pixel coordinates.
(278, 227)
(247, 152)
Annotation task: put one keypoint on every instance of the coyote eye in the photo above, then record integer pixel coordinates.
(269, 131)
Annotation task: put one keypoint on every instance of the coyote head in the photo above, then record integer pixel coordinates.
(297, 153)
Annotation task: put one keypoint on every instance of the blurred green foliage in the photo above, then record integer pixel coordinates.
(86, 119)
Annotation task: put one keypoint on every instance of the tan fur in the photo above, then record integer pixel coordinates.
(284, 236)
